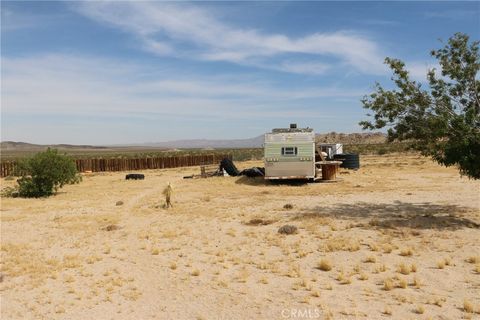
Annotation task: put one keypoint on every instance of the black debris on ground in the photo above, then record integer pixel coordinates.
(134, 176)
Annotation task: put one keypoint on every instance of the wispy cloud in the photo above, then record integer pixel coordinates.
(418, 70)
(456, 14)
(190, 31)
(76, 85)
(12, 20)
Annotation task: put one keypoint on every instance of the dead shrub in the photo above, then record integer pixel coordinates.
(111, 227)
(258, 222)
(288, 229)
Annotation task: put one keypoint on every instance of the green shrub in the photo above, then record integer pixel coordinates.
(44, 173)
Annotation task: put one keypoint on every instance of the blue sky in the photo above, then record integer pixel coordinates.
(131, 72)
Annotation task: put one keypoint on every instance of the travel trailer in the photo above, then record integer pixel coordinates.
(290, 153)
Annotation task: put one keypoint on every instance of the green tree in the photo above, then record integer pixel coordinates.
(442, 122)
(44, 173)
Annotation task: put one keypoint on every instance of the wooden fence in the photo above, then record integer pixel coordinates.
(125, 164)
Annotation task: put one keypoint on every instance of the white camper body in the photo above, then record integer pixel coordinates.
(290, 153)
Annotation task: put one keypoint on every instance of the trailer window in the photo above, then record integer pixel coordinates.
(289, 151)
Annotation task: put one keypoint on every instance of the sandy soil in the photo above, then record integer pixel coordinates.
(401, 237)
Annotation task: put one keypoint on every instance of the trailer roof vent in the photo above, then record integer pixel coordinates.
(293, 126)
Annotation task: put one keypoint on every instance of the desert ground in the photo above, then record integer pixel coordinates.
(397, 239)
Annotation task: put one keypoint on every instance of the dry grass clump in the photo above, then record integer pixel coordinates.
(448, 261)
(405, 269)
(388, 284)
(341, 244)
(402, 283)
(71, 261)
(388, 248)
(438, 301)
(477, 268)
(173, 266)
(387, 311)
(441, 264)
(406, 252)
(195, 272)
(416, 282)
(343, 278)
(59, 309)
(473, 259)
(419, 309)
(363, 276)
(155, 251)
(370, 259)
(380, 268)
(468, 306)
(324, 265)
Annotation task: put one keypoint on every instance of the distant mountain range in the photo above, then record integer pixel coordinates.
(12, 145)
(256, 142)
(205, 143)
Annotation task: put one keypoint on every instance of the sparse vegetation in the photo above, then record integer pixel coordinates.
(406, 252)
(402, 283)
(473, 259)
(388, 284)
(468, 306)
(441, 264)
(93, 267)
(324, 265)
(404, 269)
(195, 272)
(420, 309)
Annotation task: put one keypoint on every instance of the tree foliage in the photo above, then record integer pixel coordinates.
(442, 122)
(44, 173)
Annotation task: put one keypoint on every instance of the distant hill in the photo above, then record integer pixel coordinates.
(256, 142)
(12, 145)
(205, 143)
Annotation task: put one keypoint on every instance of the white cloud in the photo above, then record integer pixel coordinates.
(418, 70)
(189, 31)
(75, 85)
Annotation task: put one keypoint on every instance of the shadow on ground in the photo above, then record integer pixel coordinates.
(396, 215)
(257, 181)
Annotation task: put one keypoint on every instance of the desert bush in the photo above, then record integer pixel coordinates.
(44, 173)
